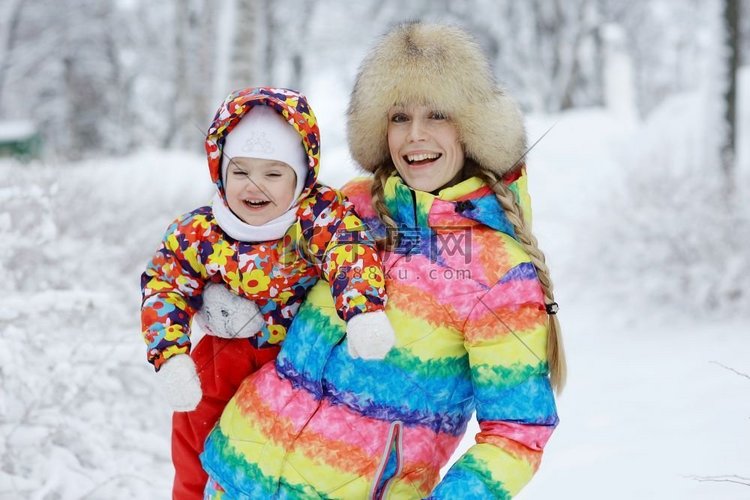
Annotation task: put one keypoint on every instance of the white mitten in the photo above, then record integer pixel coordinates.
(370, 335)
(227, 315)
(179, 383)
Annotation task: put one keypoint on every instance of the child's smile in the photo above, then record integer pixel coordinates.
(259, 191)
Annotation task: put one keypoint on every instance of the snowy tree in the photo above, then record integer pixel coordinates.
(565, 51)
(67, 66)
(731, 15)
(744, 21)
(247, 36)
(119, 76)
(619, 84)
(547, 52)
(13, 11)
(291, 49)
(675, 184)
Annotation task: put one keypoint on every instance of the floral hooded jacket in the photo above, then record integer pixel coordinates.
(328, 240)
(471, 333)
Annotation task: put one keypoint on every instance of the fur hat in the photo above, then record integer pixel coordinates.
(442, 67)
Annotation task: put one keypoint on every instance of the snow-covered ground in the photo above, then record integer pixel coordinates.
(650, 409)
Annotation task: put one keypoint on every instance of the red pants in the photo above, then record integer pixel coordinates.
(222, 365)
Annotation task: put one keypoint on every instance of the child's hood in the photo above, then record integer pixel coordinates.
(291, 105)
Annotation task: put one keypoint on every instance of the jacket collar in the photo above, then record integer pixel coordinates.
(464, 205)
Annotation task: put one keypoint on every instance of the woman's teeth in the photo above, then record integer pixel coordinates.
(421, 158)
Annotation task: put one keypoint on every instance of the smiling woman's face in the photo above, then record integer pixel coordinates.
(424, 147)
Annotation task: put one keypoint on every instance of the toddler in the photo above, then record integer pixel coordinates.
(270, 233)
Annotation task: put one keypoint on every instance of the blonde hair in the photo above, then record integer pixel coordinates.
(555, 351)
(377, 191)
(509, 203)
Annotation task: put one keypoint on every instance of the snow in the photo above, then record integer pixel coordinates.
(647, 412)
(650, 406)
(14, 130)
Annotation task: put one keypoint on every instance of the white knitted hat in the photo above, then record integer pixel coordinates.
(263, 133)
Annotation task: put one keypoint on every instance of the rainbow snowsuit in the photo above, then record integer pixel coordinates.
(328, 240)
(471, 331)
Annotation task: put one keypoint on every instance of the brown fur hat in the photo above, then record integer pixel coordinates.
(442, 67)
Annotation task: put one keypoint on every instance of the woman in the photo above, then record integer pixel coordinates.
(469, 297)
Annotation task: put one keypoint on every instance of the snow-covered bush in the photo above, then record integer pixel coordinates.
(78, 414)
(26, 226)
(674, 232)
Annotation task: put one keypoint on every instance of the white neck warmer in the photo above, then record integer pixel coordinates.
(242, 231)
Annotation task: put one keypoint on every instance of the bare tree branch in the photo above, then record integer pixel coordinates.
(741, 374)
(745, 481)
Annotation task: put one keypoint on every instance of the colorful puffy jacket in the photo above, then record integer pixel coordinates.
(328, 240)
(471, 333)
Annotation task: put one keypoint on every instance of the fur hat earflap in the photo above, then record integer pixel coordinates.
(443, 67)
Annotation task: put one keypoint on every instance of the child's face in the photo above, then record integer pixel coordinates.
(258, 191)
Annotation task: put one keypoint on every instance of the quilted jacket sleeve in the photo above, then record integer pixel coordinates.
(506, 340)
(170, 287)
(342, 248)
